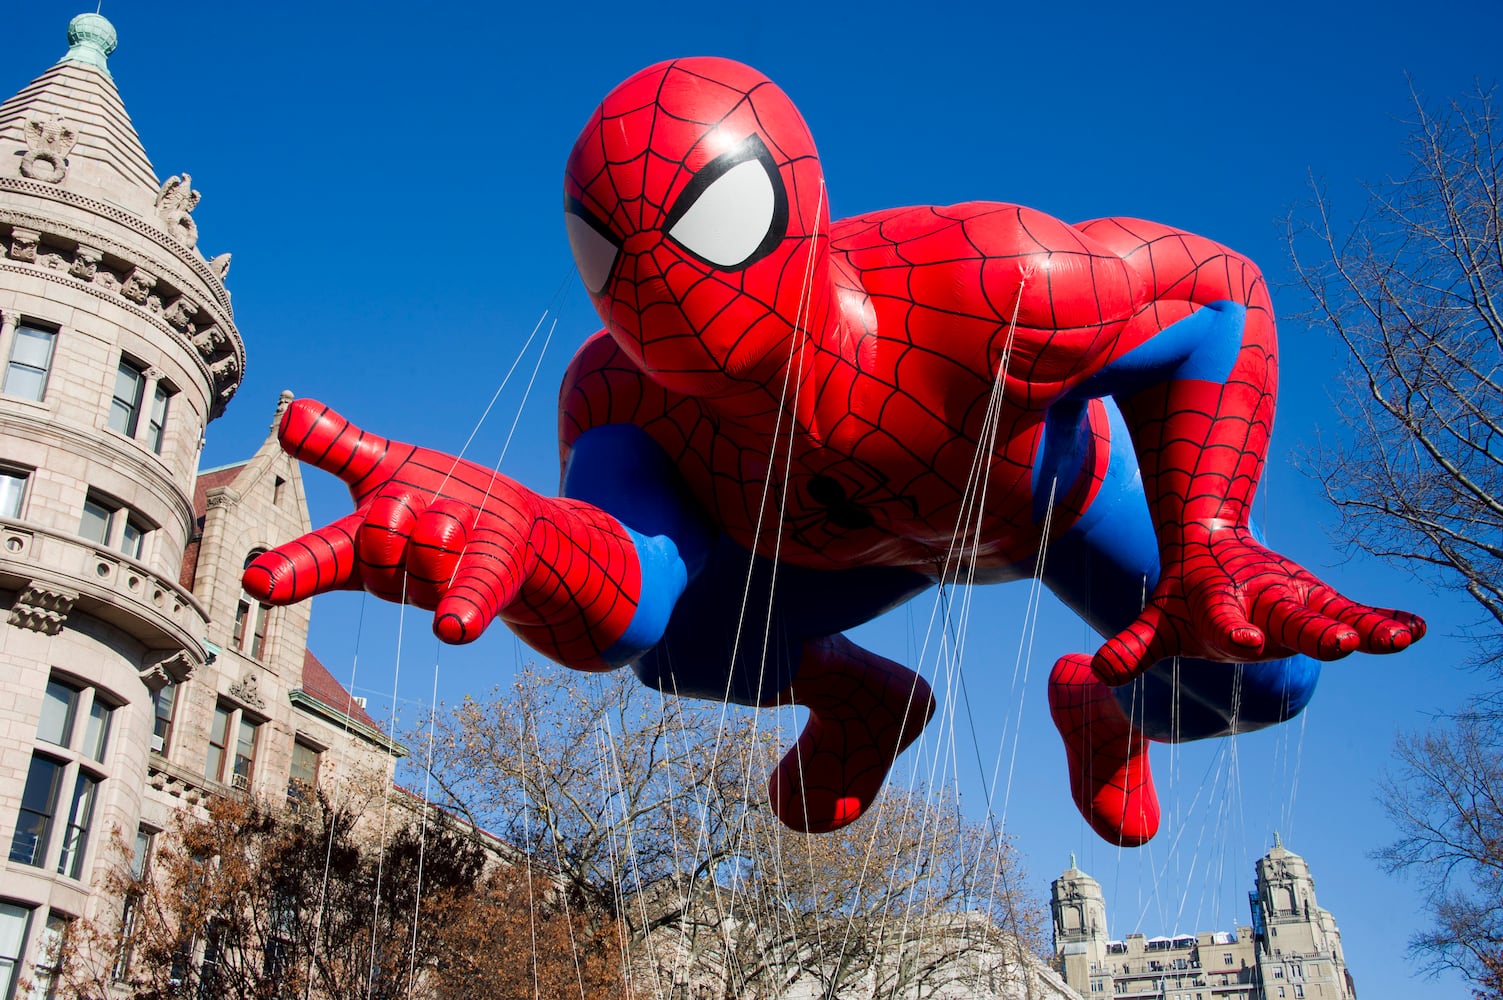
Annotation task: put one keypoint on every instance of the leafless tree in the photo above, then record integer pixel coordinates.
(657, 807)
(1447, 798)
(1414, 289)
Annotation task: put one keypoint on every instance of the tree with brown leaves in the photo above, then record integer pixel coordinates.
(251, 901)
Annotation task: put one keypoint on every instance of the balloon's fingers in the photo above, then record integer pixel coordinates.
(1378, 630)
(486, 579)
(1228, 632)
(438, 541)
(313, 433)
(381, 543)
(1292, 625)
(316, 563)
(1136, 648)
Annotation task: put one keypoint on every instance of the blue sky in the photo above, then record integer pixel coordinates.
(388, 176)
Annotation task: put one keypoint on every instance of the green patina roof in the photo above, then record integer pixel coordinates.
(91, 39)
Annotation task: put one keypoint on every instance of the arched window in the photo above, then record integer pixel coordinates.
(251, 620)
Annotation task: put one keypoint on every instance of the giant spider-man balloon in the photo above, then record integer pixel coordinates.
(797, 424)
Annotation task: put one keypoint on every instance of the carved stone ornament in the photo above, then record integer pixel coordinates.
(223, 496)
(220, 266)
(246, 692)
(42, 609)
(138, 285)
(180, 311)
(210, 341)
(226, 369)
(23, 244)
(161, 667)
(48, 142)
(85, 263)
(175, 200)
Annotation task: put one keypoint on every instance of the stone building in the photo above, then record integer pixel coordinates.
(1290, 951)
(135, 675)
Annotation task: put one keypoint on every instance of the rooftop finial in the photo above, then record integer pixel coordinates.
(1072, 860)
(1277, 840)
(91, 38)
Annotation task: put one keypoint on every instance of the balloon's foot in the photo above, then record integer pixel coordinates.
(864, 711)
(1108, 757)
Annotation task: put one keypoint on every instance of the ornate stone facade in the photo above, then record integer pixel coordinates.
(135, 676)
(1291, 950)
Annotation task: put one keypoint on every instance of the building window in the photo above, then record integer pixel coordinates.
(140, 858)
(76, 838)
(97, 730)
(98, 521)
(250, 626)
(49, 964)
(114, 526)
(245, 753)
(125, 405)
(13, 921)
(156, 426)
(75, 720)
(230, 763)
(1299, 993)
(12, 491)
(165, 702)
(218, 742)
(302, 782)
(28, 845)
(59, 705)
(30, 360)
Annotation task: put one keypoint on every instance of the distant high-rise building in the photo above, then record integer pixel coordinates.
(1291, 950)
(136, 677)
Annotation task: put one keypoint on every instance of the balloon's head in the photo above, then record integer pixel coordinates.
(695, 208)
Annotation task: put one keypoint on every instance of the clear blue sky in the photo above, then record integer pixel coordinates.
(387, 177)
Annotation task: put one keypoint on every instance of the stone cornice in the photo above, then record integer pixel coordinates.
(95, 240)
(217, 396)
(194, 260)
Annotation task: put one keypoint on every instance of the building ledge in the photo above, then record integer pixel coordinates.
(59, 575)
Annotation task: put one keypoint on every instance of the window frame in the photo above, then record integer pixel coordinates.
(131, 408)
(14, 474)
(253, 620)
(41, 843)
(301, 791)
(26, 330)
(80, 769)
(126, 531)
(156, 416)
(11, 965)
(161, 728)
(235, 769)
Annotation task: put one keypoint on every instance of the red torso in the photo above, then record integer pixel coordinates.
(891, 396)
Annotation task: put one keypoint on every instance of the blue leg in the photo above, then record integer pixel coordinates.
(1104, 568)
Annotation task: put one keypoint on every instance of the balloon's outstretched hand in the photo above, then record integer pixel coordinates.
(428, 529)
(1223, 596)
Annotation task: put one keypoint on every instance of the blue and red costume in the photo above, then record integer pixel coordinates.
(801, 424)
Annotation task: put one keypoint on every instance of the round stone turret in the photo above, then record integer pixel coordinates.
(117, 347)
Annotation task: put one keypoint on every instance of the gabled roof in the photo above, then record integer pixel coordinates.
(318, 683)
(108, 161)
